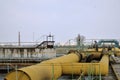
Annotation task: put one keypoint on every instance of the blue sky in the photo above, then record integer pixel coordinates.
(62, 18)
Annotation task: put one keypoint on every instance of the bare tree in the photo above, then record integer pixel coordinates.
(80, 39)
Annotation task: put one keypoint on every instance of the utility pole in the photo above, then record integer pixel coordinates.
(18, 38)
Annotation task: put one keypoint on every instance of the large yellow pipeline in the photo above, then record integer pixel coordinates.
(45, 70)
(86, 68)
(36, 72)
(54, 68)
(73, 57)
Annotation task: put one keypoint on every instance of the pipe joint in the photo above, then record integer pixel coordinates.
(77, 53)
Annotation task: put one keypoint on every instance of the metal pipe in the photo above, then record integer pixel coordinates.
(44, 70)
(94, 56)
(54, 68)
(77, 68)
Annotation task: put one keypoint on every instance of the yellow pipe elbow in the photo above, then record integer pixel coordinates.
(45, 70)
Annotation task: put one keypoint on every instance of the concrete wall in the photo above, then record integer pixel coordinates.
(27, 53)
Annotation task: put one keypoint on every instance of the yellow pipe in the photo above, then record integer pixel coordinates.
(54, 68)
(73, 57)
(96, 55)
(117, 54)
(45, 70)
(95, 68)
(104, 64)
(36, 72)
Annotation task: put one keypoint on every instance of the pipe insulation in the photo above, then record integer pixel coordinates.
(54, 68)
(86, 68)
(45, 70)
